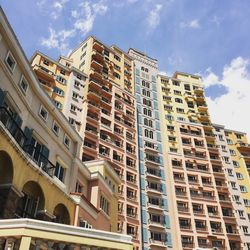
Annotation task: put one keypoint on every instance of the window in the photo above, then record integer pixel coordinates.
(46, 62)
(73, 108)
(58, 104)
(117, 58)
(62, 71)
(221, 138)
(247, 202)
(55, 128)
(43, 113)
(241, 213)
(149, 134)
(232, 152)
(180, 110)
(229, 142)
(10, 61)
(116, 75)
(23, 85)
(61, 80)
(178, 100)
(236, 164)
(74, 95)
(170, 128)
(58, 91)
(245, 229)
(233, 185)
(243, 189)
(169, 117)
(175, 83)
(177, 92)
(104, 205)
(59, 172)
(238, 136)
(117, 67)
(239, 176)
(66, 141)
(79, 187)
(130, 230)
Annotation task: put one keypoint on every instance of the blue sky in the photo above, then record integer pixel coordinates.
(208, 37)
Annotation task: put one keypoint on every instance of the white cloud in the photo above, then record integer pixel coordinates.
(153, 19)
(87, 15)
(58, 40)
(231, 109)
(83, 22)
(193, 24)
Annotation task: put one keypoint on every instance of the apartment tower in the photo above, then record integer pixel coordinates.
(199, 190)
(154, 199)
(99, 101)
(237, 177)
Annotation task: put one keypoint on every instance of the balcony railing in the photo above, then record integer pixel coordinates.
(12, 126)
(41, 160)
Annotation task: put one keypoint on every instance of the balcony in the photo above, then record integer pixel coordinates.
(41, 160)
(12, 126)
(96, 64)
(44, 73)
(98, 47)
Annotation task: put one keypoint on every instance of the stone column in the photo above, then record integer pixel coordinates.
(25, 243)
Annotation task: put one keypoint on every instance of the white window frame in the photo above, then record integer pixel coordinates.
(66, 137)
(9, 54)
(53, 124)
(23, 79)
(42, 107)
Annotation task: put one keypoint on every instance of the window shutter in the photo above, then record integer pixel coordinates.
(44, 156)
(2, 97)
(28, 134)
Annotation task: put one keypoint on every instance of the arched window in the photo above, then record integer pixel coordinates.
(146, 133)
(150, 113)
(145, 111)
(146, 121)
(148, 93)
(144, 92)
(144, 101)
(143, 83)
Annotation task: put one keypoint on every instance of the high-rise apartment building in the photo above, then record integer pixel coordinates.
(198, 186)
(98, 86)
(49, 198)
(237, 177)
(156, 231)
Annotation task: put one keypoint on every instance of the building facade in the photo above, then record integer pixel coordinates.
(42, 176)
(156, 231)
(104, 114)
(198, 189)
(236, 172)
